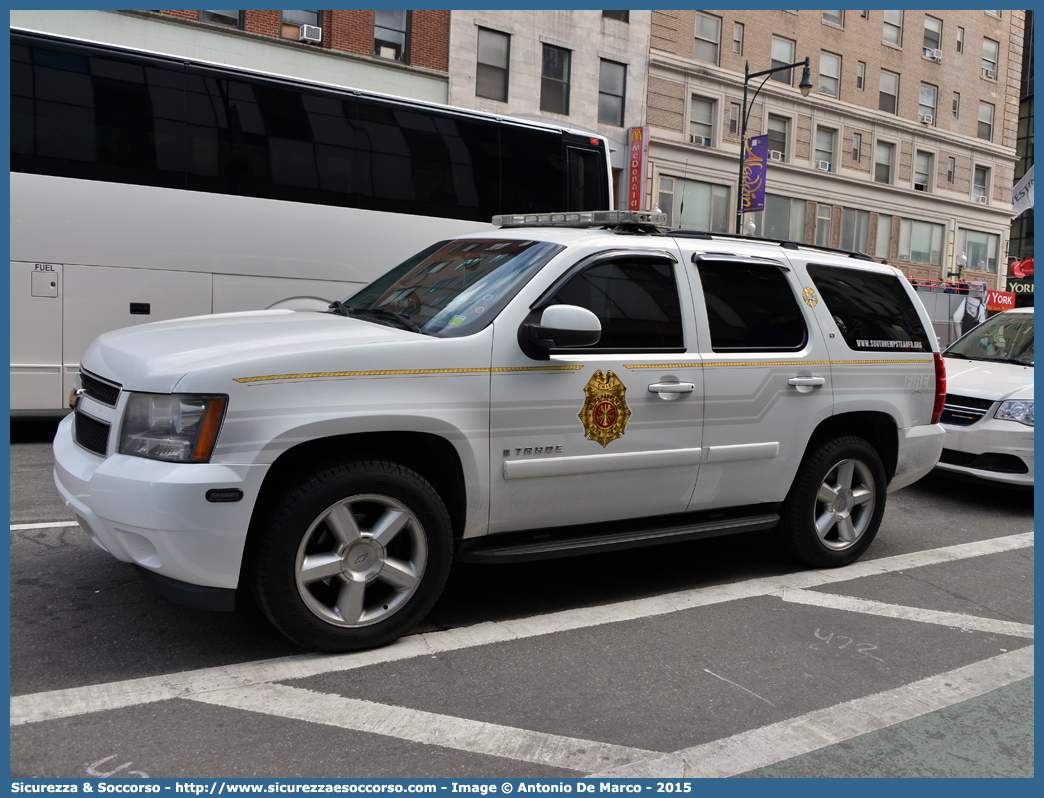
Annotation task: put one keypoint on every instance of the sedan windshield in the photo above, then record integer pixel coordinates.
(453, 288)
(1007, 337)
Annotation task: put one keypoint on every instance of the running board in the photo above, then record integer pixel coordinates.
(570, 541)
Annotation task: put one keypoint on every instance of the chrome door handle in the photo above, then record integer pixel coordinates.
(671, 390)
(810, 382)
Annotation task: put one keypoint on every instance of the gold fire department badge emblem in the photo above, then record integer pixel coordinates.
(605, 412)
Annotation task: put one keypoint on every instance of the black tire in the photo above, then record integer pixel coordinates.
(834, 507)
(353, 556)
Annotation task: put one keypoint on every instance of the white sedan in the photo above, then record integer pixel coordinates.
(988, 416)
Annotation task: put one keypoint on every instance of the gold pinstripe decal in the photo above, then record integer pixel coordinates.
(703, 364)
(402, 372)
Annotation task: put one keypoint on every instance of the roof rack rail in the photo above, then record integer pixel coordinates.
(794, 245)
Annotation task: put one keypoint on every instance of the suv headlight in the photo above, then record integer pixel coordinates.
(1021, 412)
(181, 428)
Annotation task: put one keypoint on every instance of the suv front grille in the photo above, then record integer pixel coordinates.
(91, 434)
(961, 411)
(100, 390)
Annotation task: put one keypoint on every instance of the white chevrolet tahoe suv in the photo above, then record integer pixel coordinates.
(568, 383)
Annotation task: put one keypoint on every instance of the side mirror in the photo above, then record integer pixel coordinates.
(561, 327)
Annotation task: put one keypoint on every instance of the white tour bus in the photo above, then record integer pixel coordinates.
(147, 187)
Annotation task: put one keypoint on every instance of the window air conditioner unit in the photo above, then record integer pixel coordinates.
(823, 166)
(920, 186)
(928, 119)
(310, 33)
(983, 200)
(703, 141)
(937, 55)
(989, 74)
(775, 155)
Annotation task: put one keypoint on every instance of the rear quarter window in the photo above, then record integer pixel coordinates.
(872, 311)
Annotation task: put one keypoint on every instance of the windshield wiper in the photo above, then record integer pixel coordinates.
(956, 354)
(385, 313)
(1014, 361)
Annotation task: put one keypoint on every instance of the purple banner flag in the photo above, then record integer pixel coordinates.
(755, 166)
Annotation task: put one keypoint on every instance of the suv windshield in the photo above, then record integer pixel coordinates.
(453, 288)
(1007, 337)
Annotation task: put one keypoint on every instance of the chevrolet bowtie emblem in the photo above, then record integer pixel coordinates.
(605, 411)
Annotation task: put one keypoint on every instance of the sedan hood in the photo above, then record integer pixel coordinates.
(988, 380)
(154, 357)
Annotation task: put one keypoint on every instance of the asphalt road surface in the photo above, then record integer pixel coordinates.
(710, 658)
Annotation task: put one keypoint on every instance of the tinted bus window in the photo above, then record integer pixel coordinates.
(873, 312)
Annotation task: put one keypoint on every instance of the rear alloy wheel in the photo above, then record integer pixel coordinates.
(836, 503)
(353, 556)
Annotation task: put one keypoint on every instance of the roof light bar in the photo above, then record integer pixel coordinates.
(581, 219)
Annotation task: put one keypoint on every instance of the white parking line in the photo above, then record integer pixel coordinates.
(971, 623)
(781, 741)
(45, 525)
(428, 728)
(36, 707)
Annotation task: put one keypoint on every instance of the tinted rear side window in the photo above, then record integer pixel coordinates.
(750, 307)
(872, 311)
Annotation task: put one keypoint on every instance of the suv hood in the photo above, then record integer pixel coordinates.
(986, 380)
(154, 357)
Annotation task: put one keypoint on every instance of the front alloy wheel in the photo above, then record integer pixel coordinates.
(361, 560)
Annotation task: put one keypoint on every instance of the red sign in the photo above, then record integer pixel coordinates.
(1022, 268)
(999, 300)
(637, 167)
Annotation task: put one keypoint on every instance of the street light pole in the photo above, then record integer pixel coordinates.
(805, 86)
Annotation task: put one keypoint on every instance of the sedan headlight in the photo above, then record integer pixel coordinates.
(181, 428)
(1021, 412)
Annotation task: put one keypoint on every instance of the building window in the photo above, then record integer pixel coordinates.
(734, 120)
(834, 18)
(957, 105)
(985, 130)
(960, 40)
(990, 51)
(926, 104)
(921, 242)
(701, 121)
(883, 162)
(951, 170)
(893, 28)
(855, 230)
(233, 19)
(737, 38)
(612, 78)
(857, 147)
(981, 249)
(829, 74)
(980, 183)
(996, 14)
(777, 136)
(932, 35)
(708, 35)
(391, 35)
(824, 154)
(623, 16)
(888, 100)
(783, 218)
(782, 54)
(884, 236)
(697, 206)
(491, 72)
(823, 214)
(293, 20)
(860, 75)
(864, 14)
(554, 80)
(923, 171)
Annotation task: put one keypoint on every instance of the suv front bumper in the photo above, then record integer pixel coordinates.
(155, 514)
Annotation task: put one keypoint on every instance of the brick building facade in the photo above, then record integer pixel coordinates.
(904, 149)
